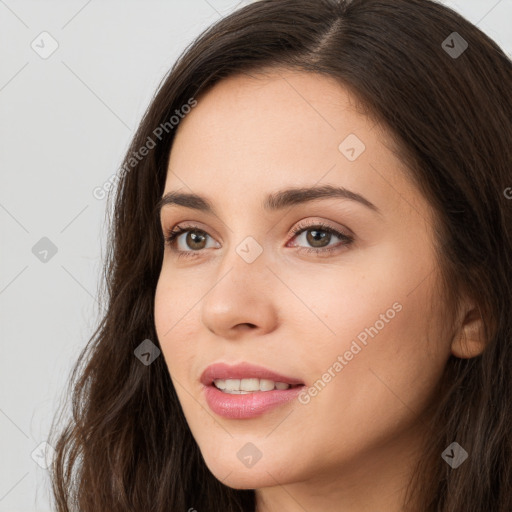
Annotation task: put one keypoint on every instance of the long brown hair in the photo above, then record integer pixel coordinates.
(447, 104)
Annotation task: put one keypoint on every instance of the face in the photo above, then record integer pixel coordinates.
(325, 289)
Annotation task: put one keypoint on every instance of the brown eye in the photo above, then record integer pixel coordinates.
(195, 240)
(191, 245)
(318, 237)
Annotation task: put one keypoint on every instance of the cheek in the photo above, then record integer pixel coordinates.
(382, 318)
(175, 297)
(381, 367)
(170, 320)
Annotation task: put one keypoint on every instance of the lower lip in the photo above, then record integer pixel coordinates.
(247, 405)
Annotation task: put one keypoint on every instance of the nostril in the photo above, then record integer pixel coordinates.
(246, 326)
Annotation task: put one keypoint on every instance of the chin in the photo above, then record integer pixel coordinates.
(236, 475)
(247, 479)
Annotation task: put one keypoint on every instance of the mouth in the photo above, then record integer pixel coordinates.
(246, 391)
(246, 378)
(250, 385)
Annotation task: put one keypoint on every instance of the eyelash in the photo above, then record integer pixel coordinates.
(171, 236)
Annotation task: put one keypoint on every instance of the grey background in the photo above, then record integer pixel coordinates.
(65, 124)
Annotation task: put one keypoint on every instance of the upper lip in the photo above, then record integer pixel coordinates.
(243, 371)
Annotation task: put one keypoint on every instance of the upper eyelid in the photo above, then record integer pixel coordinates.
(190, 226)
(170, 211)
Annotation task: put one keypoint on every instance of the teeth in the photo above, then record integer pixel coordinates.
(244, 386)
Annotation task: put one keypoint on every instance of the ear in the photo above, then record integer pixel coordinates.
(470, 341)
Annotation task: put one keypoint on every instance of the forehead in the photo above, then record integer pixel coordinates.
(251, 135)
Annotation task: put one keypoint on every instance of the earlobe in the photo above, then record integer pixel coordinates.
(470, 340)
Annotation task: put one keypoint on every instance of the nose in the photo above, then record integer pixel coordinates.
(241, 300)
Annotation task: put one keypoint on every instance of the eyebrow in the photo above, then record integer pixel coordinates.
(273, 202)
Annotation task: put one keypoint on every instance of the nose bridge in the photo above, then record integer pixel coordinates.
(240, 293)
(246, 245)
(244, 264)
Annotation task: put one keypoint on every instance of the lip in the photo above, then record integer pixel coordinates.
(249, 405)
(243, 371)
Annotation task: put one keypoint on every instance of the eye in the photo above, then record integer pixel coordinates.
(318, 235)
(195, 240)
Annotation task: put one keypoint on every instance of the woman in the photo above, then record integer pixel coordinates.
(309, 301)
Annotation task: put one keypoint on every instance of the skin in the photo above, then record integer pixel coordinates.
(353, 446)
